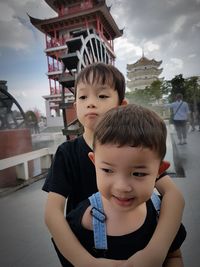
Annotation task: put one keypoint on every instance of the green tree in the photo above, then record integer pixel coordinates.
(178, 86)
(192, 91)
(150, 94)
(140, 96)
(155, 90)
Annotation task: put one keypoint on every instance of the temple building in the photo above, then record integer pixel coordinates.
(80, 34)
(142, 73)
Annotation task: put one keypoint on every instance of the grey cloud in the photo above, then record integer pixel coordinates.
(173, 25)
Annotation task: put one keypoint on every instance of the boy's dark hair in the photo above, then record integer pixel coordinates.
(134, 126)
(103, 74)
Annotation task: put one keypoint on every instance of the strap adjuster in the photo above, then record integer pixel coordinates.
(97, 214)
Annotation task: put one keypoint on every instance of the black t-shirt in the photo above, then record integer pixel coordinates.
(72, 174)
(120, 247)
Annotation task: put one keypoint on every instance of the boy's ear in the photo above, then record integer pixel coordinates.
(163, 166)
(91, 156)
(74, 104)
(124, 102)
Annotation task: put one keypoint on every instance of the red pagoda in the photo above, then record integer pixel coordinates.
(81, 33)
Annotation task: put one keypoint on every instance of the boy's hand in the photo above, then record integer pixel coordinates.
(144, 258)
(101, 262)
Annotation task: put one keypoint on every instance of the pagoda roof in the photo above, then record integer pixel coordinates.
(46, 25)
(55, 4)
(143, 61)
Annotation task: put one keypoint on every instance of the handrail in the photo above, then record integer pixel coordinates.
(21, 162)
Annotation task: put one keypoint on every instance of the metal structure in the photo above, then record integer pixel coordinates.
(84, 48)
(12, 115)
(82, 33)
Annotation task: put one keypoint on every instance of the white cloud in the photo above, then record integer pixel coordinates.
(150, 46)
(192, 56)
(174, 67)
(6, 12)
(29, 98)
(179, 23)
(16, 35)
(126, 49)
(178, 63)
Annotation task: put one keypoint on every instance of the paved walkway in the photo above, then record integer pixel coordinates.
(24, 237)
(189, 157)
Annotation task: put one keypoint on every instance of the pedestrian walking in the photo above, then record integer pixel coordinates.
(181, 113)
(192, 116)
(198, 114)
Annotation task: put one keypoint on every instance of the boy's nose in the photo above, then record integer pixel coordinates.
(122, 185)
(91, 102)
(91, 105)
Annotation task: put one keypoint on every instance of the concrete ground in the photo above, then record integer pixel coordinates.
(25, 241)
(189, 156)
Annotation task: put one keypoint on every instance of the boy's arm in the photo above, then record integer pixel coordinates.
(170, 217)
(174, 259)
(172, 206)
(64, 238)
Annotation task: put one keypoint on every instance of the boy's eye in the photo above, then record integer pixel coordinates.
(107, 170)
(139, 174)
(103, 96)
(82, 97)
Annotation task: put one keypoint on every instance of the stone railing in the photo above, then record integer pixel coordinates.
(20, 162)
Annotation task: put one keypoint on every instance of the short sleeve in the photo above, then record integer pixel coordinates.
(179, 239)
(58, 177)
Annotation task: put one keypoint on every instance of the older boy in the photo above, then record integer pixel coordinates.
(99, 87)
(129, 148)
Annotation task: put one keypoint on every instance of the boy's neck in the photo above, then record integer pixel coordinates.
(88, 137)
(122, 222)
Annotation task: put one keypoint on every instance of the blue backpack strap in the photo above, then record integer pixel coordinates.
(156, 202)
(98, 221)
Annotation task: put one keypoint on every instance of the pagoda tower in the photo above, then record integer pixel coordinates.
(80, 34)
(142, 73)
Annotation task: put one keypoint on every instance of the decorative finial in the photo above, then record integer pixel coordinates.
(143, 51)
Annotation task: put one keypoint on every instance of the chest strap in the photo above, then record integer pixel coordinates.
(98, 221)
(156, 202)
(99, 218)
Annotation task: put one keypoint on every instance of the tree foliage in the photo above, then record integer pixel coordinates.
(189, 88)
(148, 95)
(178, 86)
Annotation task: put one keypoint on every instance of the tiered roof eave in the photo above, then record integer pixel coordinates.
(54, 3)
(44, 24)
(143, 61)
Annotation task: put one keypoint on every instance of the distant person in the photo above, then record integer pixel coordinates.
(181, 113)
(198, 114)
(36, 127)
(129, 147)
(192, 116)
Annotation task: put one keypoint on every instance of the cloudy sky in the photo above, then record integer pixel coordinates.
(168, 30)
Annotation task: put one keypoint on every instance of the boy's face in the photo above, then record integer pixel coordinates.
(125, 175)
(93, 100)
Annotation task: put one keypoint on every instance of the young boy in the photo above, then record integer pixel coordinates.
(99, 87)
(129, 148)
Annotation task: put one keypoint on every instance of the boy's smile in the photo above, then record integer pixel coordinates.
(122, 201)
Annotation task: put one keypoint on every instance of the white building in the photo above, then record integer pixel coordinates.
(142, 73)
